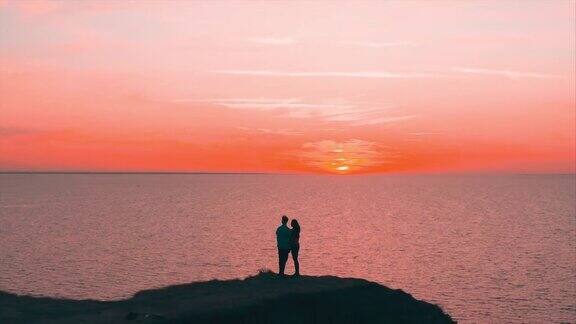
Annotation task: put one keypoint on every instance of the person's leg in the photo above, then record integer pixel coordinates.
(282, 258)
(295, 258)
(280, 263)
(285, 259)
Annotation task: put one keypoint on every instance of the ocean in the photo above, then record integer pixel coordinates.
(486, 248)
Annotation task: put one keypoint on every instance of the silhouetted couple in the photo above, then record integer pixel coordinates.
(288, 240)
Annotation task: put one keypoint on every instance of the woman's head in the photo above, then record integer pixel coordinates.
(294, 224)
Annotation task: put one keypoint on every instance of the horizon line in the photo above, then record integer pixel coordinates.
(286, 173)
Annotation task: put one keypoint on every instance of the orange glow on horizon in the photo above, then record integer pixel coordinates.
(326, 87)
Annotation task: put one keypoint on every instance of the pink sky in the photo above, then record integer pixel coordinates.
(324, 86)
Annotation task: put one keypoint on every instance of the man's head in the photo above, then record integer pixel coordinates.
(284, 219)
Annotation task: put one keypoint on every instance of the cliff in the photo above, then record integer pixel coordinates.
(263, 298)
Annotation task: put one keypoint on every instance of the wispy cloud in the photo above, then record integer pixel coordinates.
(510, 74)
(372, 44)
(335, 74)
(351, 113)
(273, 40)
(270, 104)
(283, 131)
(424, 133)
(384, 120)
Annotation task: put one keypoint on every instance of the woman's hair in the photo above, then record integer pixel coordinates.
(295, 225)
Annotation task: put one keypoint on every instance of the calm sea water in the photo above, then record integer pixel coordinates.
(485, 248)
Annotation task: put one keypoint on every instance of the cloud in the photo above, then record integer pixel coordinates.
(384, 120)
(352, 113)
(318, 74)
(273, 40)
(351, 155)
(283, 131)
(510, 74)
(270, 104)
(371, 44)
(424, 133)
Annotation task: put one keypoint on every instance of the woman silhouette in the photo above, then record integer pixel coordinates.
(295, 245)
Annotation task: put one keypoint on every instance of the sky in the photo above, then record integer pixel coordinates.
(323, 87)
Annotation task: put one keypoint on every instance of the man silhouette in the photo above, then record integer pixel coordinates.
(283, 242)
